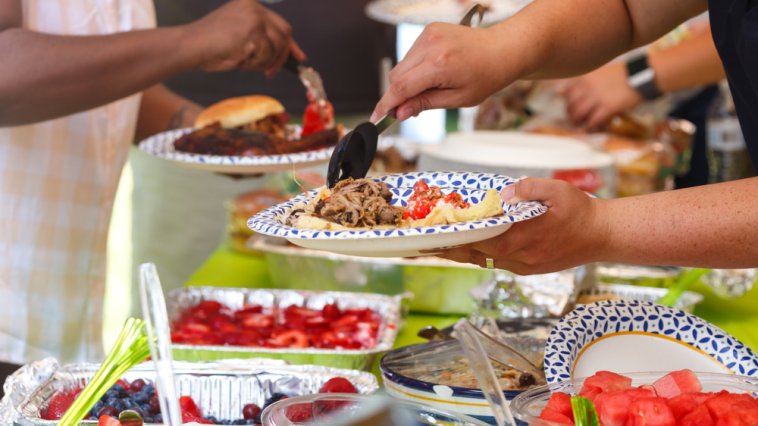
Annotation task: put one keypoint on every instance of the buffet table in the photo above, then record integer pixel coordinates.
(225, 267)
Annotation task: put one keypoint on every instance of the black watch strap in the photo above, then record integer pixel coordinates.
(642, 78)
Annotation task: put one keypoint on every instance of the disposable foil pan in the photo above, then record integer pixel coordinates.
(440, 286)
(220, 389)
(686, 302)
(389, 307)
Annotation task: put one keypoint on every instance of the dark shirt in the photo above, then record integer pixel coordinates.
(734, 24)
(341, 42)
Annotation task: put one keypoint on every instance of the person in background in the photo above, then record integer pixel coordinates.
(70, 96)
(710, 226)
(687, 69)
(160, 198)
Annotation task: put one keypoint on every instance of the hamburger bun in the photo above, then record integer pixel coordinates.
(239, 111)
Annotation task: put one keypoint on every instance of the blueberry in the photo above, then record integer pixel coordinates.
(212, 419)
(149, 389)
(111, 394)
(120, 389)
(141, 397)
(129, 403)
(275, 397)
(118, 404)
(251, 422)
(240, 422)
(145, 407)
(158, 418)
(148, 419)
(108, 411)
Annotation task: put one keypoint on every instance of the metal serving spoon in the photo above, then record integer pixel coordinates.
(354, 153)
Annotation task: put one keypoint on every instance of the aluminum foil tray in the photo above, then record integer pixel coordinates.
(389, 307)
(686, 302)
(441, 286)
(220, 389)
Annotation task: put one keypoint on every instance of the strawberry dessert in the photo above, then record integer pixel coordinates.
(213, 323)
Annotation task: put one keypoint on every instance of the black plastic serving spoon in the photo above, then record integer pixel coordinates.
(354, 153)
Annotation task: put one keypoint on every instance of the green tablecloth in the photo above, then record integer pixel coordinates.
(738, 316)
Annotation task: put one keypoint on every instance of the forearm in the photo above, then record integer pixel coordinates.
(555, 35)
(709, 226)
(162, 109)
(691, 63)
(47, 76)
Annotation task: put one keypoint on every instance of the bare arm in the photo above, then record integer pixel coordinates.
(691, 63)
(47, 76)
(593, 99)
(161, 110)
(451, 66)
(710, 226)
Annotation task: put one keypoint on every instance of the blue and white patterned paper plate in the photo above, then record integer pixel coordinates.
(162, 146)
(636, 336)
(404, 242)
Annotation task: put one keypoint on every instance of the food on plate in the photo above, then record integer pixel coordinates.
(212, 323)
(676, 399)
(367, 203)
(241, 208)
(140, 396)
(457, 372)
(253, 125)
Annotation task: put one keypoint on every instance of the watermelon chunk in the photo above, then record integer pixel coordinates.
(613, 407)
(733, 409)
(651, 412)
(683, 404)
(554, 416)
(677, 383)
(697, 417)
(560, 402)
(606, 382)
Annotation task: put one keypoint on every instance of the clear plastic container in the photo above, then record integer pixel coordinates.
(351, 409)
(528, 405)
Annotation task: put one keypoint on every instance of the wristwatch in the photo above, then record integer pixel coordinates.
(642, 78)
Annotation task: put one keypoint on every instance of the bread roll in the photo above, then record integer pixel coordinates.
(239, 111)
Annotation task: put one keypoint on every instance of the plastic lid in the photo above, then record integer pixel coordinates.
(352, 409)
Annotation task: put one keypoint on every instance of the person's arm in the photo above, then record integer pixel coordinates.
(46, 76)
(709, 226)
(594, 98)
(161, 110)
(452, 66)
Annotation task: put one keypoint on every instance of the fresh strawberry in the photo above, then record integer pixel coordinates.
(108, 421)
(292, 339)
(338, 385)
(188, 406)
(59, 403)
(300, 412)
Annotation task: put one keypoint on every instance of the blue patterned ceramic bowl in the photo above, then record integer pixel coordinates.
(404, 242)
(632, 336)
(162, 146)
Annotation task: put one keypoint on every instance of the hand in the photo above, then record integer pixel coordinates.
(242, 34)
(572, 232)
(448, 66)
(593, 99)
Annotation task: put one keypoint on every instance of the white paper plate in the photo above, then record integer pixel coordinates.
(633, 336)
(422, 12)
(404, 242)
(162, 146)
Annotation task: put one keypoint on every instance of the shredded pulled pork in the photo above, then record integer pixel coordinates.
(356, 203)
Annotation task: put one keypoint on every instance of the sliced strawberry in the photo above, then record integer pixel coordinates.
(300, 412)
(59, 403)
(338, 385)
(292, 339)
(331, 311)
(108, 421)
(188, 406)
(257, 321)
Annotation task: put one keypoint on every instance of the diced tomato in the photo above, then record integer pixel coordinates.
(699, 416)
(676, 383)
(560, 402)
(420, 187)
(651, 412)
(554, 416)
(313, 120)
